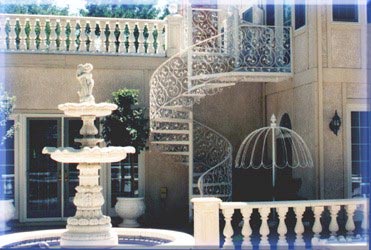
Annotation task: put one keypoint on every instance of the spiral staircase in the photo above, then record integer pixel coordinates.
(224, 51)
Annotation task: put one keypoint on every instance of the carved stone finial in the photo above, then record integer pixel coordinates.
(86, 80)
(273, 120)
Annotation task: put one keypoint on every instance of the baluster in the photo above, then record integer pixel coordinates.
(264, 228)
(150, 40)
(42, 35)
(299, 227)
(82, 36)
(317, 227)
(162, 33)
(22, 34)
(246, 229)
(126, 36)
(53, 35)
(140, 39)
(334, 227)
(57, 33)
(28, 41)
(74, 35)
(37, 32)
(132, 48)
(350, 226)
(62, 34)
(364, 224)
(117, 34)
(2, 34)
(98, 45)
(32, 36)
(10, 24)
(108, 37)
(282, 229)
(17, 34)
(156, 35)
(46, 34)
(228, 230)
(88, 41)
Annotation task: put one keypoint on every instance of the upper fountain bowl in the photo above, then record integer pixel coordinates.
(88, 155)
(87, 109)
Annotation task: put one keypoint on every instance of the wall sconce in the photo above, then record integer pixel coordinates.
(335, 123)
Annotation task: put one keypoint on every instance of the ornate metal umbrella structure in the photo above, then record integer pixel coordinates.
(273, 147)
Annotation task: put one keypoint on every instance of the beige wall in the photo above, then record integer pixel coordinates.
(41, 81)
(316, 94)
(235, 112)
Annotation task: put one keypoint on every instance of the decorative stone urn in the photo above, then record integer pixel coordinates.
(7, 213)
(130, 209)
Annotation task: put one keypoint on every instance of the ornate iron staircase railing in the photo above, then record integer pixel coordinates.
(248, 53)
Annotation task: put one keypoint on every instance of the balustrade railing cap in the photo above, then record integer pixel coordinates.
(206, 200)
(13, 16)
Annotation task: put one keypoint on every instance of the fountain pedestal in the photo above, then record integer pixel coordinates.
(89, 227)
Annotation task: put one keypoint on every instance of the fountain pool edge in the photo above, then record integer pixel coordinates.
(177, 239)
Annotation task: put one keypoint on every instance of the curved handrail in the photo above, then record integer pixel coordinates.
(179, 60)
(225, 161)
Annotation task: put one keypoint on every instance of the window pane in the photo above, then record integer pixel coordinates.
(43, 173)
(360, 142)
(299, 15)
(121, 178)
(286, 15)
(269, 17)
(7, 165)
(247, 15)
(344, 12)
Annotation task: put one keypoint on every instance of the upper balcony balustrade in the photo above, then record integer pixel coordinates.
(74, 35)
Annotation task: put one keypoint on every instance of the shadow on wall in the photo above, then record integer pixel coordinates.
(166, 191)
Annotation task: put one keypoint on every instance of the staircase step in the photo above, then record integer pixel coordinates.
(210, 195)
(176, 153)
(177, 108)
(213, 184)
(172, 142)
(193, 95)
(172, 120)
(218, 85)
(173, 131)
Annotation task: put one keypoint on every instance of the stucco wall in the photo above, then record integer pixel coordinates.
(41, 82)
(234, 113)
(315, 99)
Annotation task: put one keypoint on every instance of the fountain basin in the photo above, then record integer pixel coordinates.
(129, 238)
(87, 109)
(88, 155)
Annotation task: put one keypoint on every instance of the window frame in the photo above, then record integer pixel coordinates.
(348, 145)
(346, 22)
(21, 160)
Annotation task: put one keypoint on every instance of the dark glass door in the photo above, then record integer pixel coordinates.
(70, 174)
(50, 185)
(43, 173)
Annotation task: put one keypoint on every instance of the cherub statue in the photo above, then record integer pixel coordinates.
(86, 80)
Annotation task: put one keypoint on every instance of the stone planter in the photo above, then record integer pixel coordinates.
(130, 209)
(7, 213)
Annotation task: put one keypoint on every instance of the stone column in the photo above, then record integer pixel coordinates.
(206, 221)
(175, 34)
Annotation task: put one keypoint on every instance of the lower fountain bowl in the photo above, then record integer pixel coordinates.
(129, 238)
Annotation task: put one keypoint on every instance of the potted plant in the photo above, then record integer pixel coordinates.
(127, 126)
(6, 203)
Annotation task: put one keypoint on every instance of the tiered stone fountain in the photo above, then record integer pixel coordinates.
(89, 227)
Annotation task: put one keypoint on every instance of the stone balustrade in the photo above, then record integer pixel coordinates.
(91, 35)
(294, 222)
